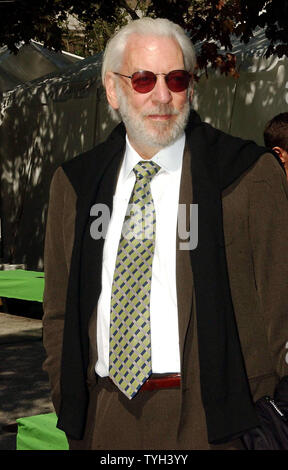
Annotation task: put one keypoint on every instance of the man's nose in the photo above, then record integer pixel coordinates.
(161, 92)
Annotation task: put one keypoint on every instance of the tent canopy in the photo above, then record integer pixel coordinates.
(42, 123)
(242, 106)
(31, 62)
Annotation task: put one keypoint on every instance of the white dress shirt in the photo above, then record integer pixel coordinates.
(163, 299)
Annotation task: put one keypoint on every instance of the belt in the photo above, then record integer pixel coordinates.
(165, 381)
(155, 382)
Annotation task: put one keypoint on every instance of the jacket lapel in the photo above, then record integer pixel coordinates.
(184, 276)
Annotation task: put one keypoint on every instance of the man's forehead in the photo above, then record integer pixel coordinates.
(140, 48)
(150, 43)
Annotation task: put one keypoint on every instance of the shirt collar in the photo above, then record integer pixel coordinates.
(169, 158)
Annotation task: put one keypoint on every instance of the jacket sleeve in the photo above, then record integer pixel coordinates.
(269, 211)
(59, 240)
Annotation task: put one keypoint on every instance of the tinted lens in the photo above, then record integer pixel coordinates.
(178, 80)
(143, 81)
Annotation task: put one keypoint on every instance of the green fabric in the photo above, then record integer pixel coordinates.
(130, 339)
(21, 284)
(40, 433)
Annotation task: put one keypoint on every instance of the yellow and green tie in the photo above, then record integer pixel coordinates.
(130, 338)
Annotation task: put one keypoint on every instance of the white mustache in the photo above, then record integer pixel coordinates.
(160, 111)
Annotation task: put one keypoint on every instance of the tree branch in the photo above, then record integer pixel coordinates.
(129, 10)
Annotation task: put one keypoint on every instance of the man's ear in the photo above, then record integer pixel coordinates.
(281, 153)
(110, 86)
(191, 93)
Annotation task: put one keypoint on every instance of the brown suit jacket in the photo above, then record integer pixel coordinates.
(255, 211)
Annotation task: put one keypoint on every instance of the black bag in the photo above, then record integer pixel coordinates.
(273, 416)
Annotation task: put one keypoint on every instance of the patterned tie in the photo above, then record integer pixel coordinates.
(130, 343)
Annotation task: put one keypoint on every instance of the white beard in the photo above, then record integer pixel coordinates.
(158, 134)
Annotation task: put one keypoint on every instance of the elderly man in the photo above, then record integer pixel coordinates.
(166, 266)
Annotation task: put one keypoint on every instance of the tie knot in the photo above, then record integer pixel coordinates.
(146, 169)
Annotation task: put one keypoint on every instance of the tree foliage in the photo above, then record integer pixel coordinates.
(212, 22)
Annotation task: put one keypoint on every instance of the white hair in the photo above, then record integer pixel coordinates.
(113, 55)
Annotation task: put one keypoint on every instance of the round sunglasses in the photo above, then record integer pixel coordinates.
(144, 81)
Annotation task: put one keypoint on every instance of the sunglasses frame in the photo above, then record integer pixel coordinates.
(155, 75)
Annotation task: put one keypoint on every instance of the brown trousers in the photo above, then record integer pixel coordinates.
(149, 421)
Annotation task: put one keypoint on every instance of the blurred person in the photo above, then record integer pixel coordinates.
(276, 137)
